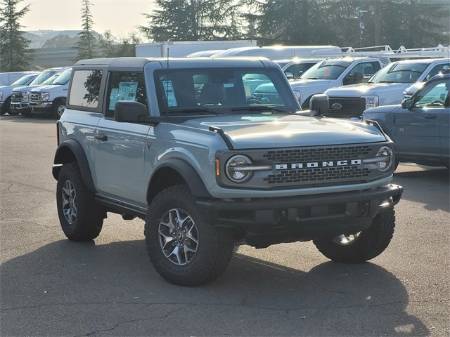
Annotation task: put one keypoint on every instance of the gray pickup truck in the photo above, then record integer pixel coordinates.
(186, 145)
(420, 126)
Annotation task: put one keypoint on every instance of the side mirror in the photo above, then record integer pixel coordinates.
(354, 78)
(289, 75)
(130, 112)
(408, 103)
(319, 105)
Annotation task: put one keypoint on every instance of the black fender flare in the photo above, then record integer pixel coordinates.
(71, 151)
(189, 175)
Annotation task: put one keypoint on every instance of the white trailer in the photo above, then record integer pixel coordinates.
(185, 48)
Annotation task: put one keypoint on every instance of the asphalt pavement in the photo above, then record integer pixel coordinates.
(53, 287)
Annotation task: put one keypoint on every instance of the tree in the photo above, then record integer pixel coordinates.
(111, 47)
(193, 20)
(14, 53)
(86, 44)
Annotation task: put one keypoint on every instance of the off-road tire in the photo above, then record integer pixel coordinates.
(6, 107)
(215, 246)
(89, 220)
(370, 243)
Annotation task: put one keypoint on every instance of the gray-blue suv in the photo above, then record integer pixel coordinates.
(209, 162)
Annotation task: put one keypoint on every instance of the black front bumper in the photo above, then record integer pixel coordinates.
(265, 221)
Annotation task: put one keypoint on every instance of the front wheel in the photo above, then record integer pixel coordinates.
(363, 246)
(59, 107)
(183, 248)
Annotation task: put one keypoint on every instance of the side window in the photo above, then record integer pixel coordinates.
(436, 70)
(125, 86)
(434, 96)
(85, 89)
(362, 72)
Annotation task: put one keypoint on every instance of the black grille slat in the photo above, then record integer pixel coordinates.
(317, 154)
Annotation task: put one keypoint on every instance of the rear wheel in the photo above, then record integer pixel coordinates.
(362, 246)
(81, 218)
(184, 249)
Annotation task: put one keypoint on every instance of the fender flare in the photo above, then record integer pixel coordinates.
(189, 175)
(68, 151)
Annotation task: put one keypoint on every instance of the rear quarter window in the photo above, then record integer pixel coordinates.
(85, 88)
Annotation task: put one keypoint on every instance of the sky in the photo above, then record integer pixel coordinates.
(121, 17)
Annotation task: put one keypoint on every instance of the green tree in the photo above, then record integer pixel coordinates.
(87, 40)
(112, 47)
(184, 20)
(14, 53)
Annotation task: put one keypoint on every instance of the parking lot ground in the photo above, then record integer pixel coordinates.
(50, 286)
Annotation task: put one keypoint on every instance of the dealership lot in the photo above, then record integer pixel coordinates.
(50, 286)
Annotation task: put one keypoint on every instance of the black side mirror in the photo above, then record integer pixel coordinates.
(130, 112)
(408, 103)
(319, 105)
(289, 75)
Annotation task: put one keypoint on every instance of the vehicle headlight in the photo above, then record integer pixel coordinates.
(371, 101)
(298, 96)
(45, 96)
(385, 158)
(235, 169)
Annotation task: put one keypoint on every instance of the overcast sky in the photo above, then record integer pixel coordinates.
(120, 16)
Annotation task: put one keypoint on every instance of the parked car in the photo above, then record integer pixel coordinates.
(334, 73)
(51, 97)
(183, 145)
(7, 90)
(420, 126)
(294, 68)
(281, 52)
(21, 95)
(385, 88)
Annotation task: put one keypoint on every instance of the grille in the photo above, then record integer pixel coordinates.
(346, 106)
(35, 97)
(321, 175)
(16, 97)
(317, 154)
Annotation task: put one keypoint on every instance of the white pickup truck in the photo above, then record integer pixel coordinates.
(332, 73)
(387, 87)
(51, 98)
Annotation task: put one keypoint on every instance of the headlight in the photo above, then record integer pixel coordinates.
(298, 96)
(386, 158)
(371, 101)
(235, 169)
(45, 96)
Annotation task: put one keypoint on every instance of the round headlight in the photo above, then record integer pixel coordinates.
(232, 169)
(386, 156)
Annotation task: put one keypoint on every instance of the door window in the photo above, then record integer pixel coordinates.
(362, 72)
(125, 86)
(434, 96)
(436, 70)
(85, 89)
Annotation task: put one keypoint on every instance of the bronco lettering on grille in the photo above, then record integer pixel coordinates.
(333, 163)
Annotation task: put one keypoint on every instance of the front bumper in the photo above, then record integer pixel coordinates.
(265, 221)
(18, 106)
(41, 106)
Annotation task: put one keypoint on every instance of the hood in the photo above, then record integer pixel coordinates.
(383, 109)
(44, 88)
(22, 88)
(367, 89)
(311, 83)
(280, 131)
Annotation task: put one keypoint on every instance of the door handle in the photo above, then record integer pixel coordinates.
(101, 137)
(429, 116)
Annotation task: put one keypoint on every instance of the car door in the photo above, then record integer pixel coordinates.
(121, 147)
(416, 131)
(361, 72)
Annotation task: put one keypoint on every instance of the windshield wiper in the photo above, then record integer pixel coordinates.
(200, 111)
(260, 108)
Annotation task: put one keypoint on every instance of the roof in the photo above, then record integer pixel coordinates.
(426, 61)
(195, 62)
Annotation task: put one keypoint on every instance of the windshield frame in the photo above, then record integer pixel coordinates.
(274, 74)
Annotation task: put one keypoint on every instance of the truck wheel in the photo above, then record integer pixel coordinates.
(183, 248)
(362, 246)
(58, 108)
(81, 218)
(6, 107)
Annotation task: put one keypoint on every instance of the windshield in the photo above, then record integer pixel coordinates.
(50, 80)
(212, 91)
(326, 70)
(25, 80)
(43, 77)
(63, 78)
(399, 73)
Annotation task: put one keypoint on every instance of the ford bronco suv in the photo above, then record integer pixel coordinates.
(185, 145)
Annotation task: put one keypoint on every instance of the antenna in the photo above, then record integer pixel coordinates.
(167, 56)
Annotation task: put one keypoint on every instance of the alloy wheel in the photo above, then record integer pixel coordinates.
(69, 206)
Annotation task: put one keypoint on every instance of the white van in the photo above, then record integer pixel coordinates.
(282, 52)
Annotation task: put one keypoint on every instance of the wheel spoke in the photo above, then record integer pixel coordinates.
(176, 253)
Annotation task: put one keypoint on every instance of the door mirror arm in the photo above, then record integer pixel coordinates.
(408, 103)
